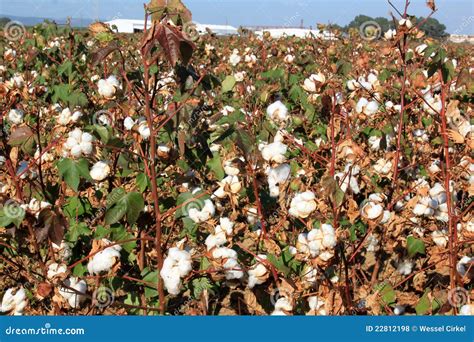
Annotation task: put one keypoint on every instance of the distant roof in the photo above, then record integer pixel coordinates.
(128, 25)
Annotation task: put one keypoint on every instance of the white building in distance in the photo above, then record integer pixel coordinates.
(133, 25)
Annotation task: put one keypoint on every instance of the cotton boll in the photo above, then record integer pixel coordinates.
(14, 301)
(104, 260)
(277, 111)
(361, 105)
(371, 108)
(204, 214)
(233, 270)
(15, 116)
(390, 34)
(234, 59)
(405, 267)
(55, 270)
(274, 152)
(282, 307)
(467, 310)
(276, 176)
(303, 204)
(63, 251)
(100, 171)
(316, 305)
(383, 166)
(77, 297)
(177, 265)
(252, 215)
(310, 275)
(229, 185)
(143, 128)
(399, 310)
(374, 142)
(405, 22)
(258, 273)
(372, 210)
(440, 238)
(108, 87)
(466, 263)
(313, 83)
(128, 123)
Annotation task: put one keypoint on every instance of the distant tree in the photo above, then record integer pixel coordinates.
(433, 28)
(4, 21)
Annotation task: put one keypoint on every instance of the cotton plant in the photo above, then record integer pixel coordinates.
(303, 204)
(277, 176)
(349, 179)
(100, 171)
(258, 273)
(56, 270)
(319, 242)
(108, 87)
(367, 107)
(228, 260)
(221, 233)
(199, 215)
(177, 265)
(74, 292)
(78, 144)
(283, 307)
(15, 116)
(105, 259)
(230, 185)
(14, 301)
(373, 208)
(67, 117)
(278, 112)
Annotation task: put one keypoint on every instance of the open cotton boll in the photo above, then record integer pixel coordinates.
(234, 59)
(440, 238)
(426, 206)
(314, 82)
(383, 166)
(276, 176)
(56, 269)
(258, 273)
(348, 179)
(390, 34)
(108, 87)
(282, 307)
(405, 267)
(231, 266)
(467, 310)
(310, 275)
(15, 116)
(77, 297)
(466, 263)
(316, 305)
(100, 171)
(177, 265)
(143, 128)
(303, 204)
(252, 215)
(438, 193)
(63, 251)
(105, 259)
(373, 208)
(405, 22)
(274, 152)
(128, 123)
(14, 301)
(229, 185)
(277, 111)
(204, 214)
(399, 310)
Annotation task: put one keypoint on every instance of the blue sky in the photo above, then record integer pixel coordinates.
(457, 15)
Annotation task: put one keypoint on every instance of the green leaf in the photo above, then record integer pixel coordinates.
(387, 293)
(142, 182)
(199, 285)
(120, 204)
(426, 306)
(71, 171)
(215, 165)
(228, 84)
(11, 213)
(415, 246)
(76, 230)
(150, 277)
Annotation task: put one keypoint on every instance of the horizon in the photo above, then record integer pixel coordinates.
(456, 15)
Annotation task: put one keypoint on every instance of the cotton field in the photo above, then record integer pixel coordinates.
(166, 173)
